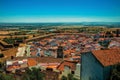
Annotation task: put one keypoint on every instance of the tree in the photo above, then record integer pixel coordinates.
(64, 78)
(6, 77)
(70, 77)
(33, 74)
(1, 55)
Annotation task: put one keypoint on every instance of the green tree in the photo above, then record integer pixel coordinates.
(64, 78)
(6, 77)
(33, 74)
(71, 77)
(1, 55)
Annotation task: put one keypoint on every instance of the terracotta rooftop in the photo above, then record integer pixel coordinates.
(71, 64)
(31, 62)
(107, 57)
(49, 60)
(41, 59)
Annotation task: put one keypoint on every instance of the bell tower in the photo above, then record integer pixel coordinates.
(60, 52)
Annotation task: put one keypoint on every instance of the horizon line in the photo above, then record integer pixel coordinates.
(69, 22)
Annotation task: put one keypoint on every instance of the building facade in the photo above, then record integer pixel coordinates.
(91, 68)
(97, 65)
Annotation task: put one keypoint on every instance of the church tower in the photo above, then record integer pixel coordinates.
(60, 52)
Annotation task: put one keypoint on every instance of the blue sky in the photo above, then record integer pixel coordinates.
(59, 10)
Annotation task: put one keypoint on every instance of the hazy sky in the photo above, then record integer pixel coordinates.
(59, 10)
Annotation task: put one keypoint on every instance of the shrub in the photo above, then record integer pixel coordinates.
(1, 55)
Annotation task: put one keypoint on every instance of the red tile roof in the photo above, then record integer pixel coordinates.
(49, 60)
(32, 62)
(107, 57)
(72, 65)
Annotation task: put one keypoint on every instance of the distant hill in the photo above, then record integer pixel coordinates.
(25, 25)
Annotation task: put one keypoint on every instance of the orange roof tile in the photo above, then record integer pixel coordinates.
(72, 65)
(49, 60)
(51, 67)
(31, 62)
(107, 57)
